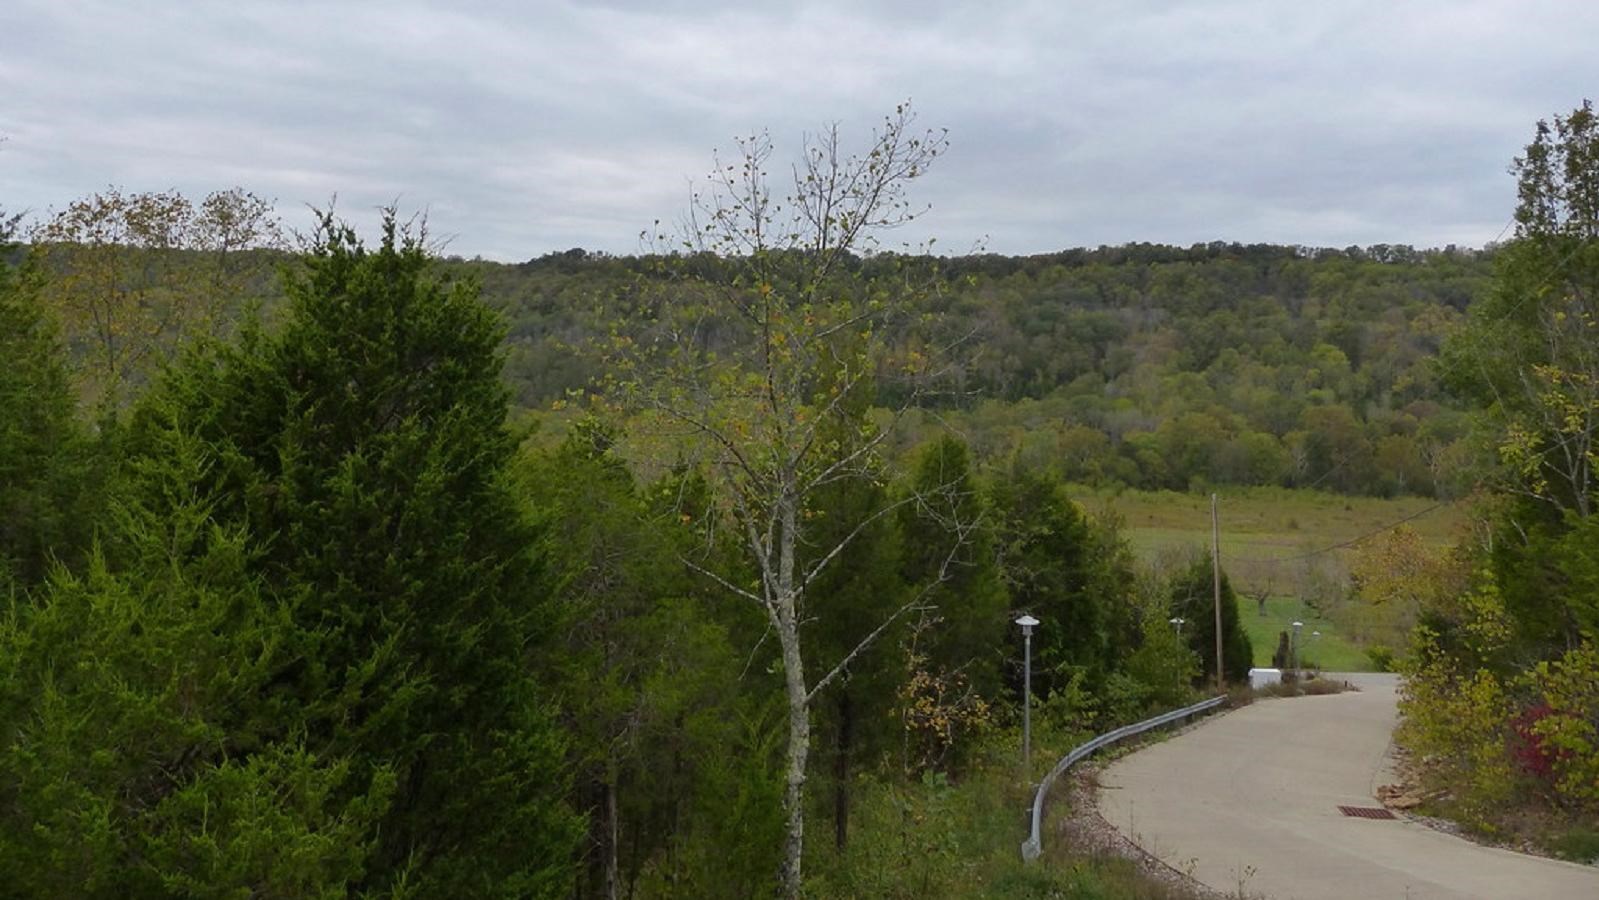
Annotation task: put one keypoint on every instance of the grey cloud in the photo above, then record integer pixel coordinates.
(530, 127)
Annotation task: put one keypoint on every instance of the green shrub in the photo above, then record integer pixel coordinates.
(1579, 844)
(1161, 671)
(1459, 719)
(1570, 688)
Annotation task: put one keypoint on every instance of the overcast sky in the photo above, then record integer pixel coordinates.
(524, 128)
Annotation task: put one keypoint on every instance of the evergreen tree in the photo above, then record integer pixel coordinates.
(42, 511)
(1113, 580)
(1529, 356)
(1047, 553)
(1193, 599)
(144, 748)
(364, 448)
(860, 590)
(949, 554)
(715, 756)
(608, 569)
(1159, 674)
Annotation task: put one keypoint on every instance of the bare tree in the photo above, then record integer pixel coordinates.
(1260, 593)
(141, 272)
(766, 352)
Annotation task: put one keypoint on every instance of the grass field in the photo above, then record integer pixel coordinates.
(1328, 651)
(1269, 536)
(1285, 543)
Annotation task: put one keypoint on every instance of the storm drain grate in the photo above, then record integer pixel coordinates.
(1366, 812)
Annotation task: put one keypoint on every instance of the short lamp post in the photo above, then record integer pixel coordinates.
(1027, 622)
(1177, 623)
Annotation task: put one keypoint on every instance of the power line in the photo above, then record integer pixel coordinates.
(1508, 222)
(1349, 543)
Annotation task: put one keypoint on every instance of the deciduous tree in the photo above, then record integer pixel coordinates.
(782, 316)
(135, 274)
(1530, 355)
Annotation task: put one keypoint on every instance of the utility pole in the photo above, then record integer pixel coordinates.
(1215, 572)
(1293, 651)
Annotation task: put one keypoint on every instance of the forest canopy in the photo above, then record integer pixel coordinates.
(1143, 365)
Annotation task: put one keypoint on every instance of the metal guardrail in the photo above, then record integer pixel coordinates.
(1033, 846)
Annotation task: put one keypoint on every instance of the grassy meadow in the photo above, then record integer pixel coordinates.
(1328, 651)
(1267, 534)
(1270, 543)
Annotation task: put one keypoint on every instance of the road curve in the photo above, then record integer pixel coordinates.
(1249, 801)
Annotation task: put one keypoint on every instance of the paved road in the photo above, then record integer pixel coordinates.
(1251, 799)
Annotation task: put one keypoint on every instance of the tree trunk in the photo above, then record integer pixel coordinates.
(674, 816)
(785, 606)
(799, 745)
(613, 874)
(846, 737)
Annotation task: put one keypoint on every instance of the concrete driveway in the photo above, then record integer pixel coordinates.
(1249, 802)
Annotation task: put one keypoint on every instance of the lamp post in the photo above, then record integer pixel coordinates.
(1027, 622)
(1177, 623)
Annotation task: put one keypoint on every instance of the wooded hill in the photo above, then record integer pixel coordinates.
(1144, 365)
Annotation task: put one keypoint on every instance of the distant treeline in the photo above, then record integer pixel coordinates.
(1146, 365)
